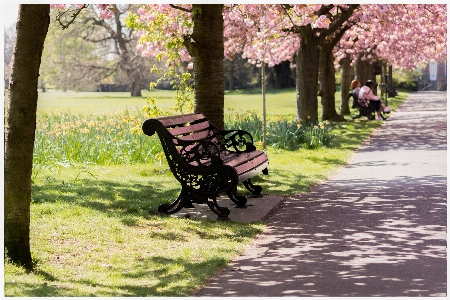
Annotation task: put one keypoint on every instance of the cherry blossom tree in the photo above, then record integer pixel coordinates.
(270, 34)
(273, 33)
(193, 33)
(403, 35)
(256, 32)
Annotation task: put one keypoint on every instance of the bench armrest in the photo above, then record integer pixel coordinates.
(237, 140)
(199, 152)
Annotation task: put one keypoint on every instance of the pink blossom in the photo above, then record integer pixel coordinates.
(321, 22)
(60, 6)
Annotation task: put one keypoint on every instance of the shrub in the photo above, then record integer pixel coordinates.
(248, 120)
(281, 133)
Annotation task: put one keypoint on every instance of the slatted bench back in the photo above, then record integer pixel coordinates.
(190, 127)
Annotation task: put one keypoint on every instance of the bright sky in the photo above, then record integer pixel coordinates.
(9, 12)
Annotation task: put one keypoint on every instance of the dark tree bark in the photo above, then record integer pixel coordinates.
(307, 73)
(32, 27)
(362, 71)
(345, 85)
(308, 60)
(206, 48)
(283, 75)
(328, 83)
(383, 79)
(135, 88)
(327, 76)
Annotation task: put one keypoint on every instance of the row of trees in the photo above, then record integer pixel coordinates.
(90, 53)
(317, 37)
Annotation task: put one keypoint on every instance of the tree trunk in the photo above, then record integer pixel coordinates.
(345, 85)
(328, 83)
(362, 71)
(207, 50)
(283, 75)
(135, 88)
(231, 86)
(384, 79)
(32, 27)
(307, 60)
(372, 76)
(390, 82)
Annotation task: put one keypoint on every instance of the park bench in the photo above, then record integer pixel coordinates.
(207, 161)
(391, 92)
(364, 111)
(368, 111)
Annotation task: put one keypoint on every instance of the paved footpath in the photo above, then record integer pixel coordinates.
(377, 228)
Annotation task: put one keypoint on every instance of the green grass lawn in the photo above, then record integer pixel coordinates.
(95, 230)
(279, 102)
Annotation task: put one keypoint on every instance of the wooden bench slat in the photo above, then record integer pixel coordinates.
(235, 159)
(179, 120)
(201, 135)
(251, 164)
(188, 129)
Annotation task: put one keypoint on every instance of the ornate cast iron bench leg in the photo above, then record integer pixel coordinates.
(254, 189)
(178, 204)
(221, 212)
(240, 201)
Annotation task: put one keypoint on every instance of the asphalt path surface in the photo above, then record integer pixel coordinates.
(377, 228)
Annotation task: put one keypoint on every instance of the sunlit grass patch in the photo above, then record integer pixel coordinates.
(95, 231)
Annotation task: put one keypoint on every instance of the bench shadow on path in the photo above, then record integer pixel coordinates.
(388, 239)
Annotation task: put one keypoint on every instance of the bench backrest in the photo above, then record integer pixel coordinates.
(189, 135)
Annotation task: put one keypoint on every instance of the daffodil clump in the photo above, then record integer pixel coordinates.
(118, 138)
(91, 139)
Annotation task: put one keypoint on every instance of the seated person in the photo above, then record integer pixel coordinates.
(356, 86)
(366, 96)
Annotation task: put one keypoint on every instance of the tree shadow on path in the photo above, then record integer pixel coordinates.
(376, 229)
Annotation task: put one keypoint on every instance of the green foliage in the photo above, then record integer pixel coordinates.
(316, 135)
(180, 80)
(407, 79)
(281, 133)
(248, 120)
(184, 89)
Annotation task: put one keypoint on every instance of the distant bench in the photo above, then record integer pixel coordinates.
(207, 161)
(391, 92)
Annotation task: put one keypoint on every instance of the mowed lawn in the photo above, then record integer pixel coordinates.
(95, 229)
(278, 102)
